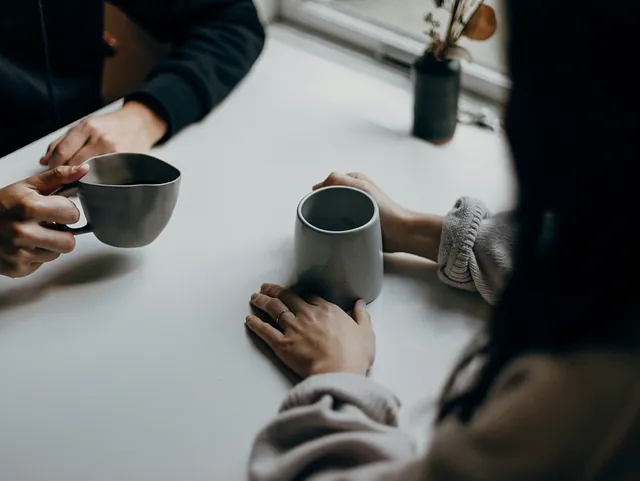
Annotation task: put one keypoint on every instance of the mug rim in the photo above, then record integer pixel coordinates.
(369, 223)
(93, 184)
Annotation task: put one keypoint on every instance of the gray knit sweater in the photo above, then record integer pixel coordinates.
(575, 417)
(475, 249)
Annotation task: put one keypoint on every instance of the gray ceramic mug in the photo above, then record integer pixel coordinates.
(128, 199)
(338, 245)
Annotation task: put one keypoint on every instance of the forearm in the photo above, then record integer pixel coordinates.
(421, 235)
(213, 46)
(146, 120)
(333, 426)
(472, 247)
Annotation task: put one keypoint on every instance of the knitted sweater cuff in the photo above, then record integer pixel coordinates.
(458, 239)
(375, 401)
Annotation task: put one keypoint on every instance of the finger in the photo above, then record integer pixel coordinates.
(32, 235)
(308, 296)
(290, 299)
(21, 256)
(41, 256)
(271, 305)
(19, 262)
(359, 176)
(69, 146)
(264, 331)
(313, 299)
(51, 180)
(330, 180)
(47, 156)
(361, 314)
(34, 267)
(336, 178)
(16, 271)
(89, 151)
(56, 209)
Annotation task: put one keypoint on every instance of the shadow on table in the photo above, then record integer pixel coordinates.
(437, 294)
(86, 270)
(268, 352)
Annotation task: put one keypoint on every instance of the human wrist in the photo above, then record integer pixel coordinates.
(421, 234)
(329, 366)
(153, 125)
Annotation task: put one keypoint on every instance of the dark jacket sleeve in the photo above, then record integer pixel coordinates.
(214, 43)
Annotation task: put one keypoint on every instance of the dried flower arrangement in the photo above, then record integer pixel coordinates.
(467, 18)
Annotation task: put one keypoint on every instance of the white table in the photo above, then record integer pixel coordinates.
(134, 365)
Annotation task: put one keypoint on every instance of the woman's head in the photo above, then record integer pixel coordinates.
(571, 130)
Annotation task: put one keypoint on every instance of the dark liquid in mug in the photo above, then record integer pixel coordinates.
(338, 210)
(336, 223)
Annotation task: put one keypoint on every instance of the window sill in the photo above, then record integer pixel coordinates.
(387, 45)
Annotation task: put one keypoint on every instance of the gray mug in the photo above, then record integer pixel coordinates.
(338, 246)
(128, 199)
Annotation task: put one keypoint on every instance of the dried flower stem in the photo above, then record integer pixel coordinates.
(461, 13)
(452, 21)
(461, 22)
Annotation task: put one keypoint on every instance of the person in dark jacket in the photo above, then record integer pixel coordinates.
(51, 61)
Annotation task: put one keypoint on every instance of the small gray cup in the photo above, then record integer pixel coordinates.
(338, 246)
(128, 199)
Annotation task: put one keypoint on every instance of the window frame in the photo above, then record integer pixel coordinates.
(387, 44)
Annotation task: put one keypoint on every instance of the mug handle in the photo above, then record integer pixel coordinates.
(67, 191)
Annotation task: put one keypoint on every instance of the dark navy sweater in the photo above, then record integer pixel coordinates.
(52, 55)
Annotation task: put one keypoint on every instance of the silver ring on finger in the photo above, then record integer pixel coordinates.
(280, 316)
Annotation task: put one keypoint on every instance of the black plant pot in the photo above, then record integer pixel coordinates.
(436, 88)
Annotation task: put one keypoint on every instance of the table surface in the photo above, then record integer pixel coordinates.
(134, 365)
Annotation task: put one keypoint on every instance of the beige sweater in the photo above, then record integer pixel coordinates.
(570, 418)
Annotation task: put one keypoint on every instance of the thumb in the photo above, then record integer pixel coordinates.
(337, 178)
(47, 182)
(361, 315)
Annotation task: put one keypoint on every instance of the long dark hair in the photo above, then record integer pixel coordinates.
(572, 123)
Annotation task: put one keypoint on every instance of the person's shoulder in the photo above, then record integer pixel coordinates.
(546, 417)
(589, 386)
(581, 371)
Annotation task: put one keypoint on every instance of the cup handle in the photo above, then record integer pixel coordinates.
(70, 190)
